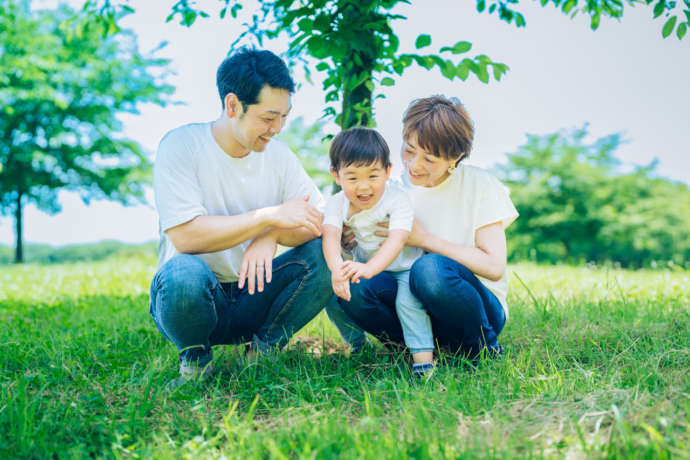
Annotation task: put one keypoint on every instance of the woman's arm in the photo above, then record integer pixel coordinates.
(487, 259)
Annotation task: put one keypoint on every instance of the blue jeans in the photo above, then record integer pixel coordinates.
(415, 322)
(192, 309)
(465, 315)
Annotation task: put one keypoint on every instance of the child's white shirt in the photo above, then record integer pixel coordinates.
(394, 206)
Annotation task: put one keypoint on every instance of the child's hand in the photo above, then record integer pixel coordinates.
(356, 270)
(341, 287)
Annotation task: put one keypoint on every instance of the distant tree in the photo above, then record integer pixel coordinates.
(576, 205)
(308, 143)
(353, 41)
(62, 85)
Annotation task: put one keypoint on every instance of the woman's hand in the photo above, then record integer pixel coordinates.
(417, 237)
(347, 240)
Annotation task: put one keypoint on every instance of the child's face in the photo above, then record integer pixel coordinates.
(363, 185)
(423, 168)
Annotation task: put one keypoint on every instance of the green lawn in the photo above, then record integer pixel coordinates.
(597, 365)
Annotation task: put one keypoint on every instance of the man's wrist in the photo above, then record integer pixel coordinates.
(268, 216)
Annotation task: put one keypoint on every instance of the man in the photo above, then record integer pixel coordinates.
(226, 195)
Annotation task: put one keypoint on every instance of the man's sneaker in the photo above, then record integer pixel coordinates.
(190, 373)
(423, 370)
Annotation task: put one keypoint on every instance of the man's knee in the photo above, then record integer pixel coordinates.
(183, 280)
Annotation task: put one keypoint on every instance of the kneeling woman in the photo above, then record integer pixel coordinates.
(461, 213)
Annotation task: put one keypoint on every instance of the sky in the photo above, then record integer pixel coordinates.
(621, 78)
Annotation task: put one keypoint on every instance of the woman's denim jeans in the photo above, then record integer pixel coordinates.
(195, 311)
(465, 315)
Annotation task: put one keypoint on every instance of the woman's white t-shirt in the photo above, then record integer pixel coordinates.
(467, 200)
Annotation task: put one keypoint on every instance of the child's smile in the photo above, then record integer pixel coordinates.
(363, 185)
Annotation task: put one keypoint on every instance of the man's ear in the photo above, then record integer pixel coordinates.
(233, 106)
(335, 176)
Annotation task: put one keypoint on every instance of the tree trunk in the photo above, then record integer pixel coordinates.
(357, 101)
(361, 96)
(19, 250)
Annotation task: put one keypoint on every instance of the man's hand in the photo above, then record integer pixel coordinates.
(257, 262)
(356, 270)
(297, 213)
(341, 285)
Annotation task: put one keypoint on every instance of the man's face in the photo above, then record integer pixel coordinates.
(255, 127)
(363, 185)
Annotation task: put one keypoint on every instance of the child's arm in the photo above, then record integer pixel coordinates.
(386, 254)
(330, 243)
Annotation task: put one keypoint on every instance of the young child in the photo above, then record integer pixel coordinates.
(360, 164)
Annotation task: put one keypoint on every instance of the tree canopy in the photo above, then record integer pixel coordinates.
(354, 45)
(63, 83)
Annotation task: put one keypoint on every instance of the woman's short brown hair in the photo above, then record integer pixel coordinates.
(442, 126)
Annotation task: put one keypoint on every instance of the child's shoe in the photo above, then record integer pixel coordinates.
(423, 370)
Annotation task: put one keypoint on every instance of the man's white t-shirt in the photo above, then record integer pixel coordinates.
(394, 205)
(468, 199)
(193, 176)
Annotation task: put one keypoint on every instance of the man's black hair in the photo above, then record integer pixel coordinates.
(359, 146)
(246, 71)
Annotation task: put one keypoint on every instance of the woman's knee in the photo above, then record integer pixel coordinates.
(429, 277)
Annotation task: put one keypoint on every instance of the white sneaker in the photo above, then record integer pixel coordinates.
(190, 372)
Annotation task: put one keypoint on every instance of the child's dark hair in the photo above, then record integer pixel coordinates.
(359, 146)
(247, 70)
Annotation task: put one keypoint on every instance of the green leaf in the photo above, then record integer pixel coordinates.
(422, 41)
(520, 20)
(659, 8)
(680, 31)
(482, 74)
(668, 27)
(306, 24)
(458, 48)
(481, 4)
(387, 81)
(567, 6)
(321, 66)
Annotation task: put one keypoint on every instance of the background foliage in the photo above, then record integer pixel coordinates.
(63, 84)
(576, 205)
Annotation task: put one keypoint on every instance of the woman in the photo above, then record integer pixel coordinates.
(461, 213)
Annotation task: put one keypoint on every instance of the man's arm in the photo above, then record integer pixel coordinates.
(216, 233)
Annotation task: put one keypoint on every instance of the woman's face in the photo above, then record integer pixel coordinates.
(422, 167)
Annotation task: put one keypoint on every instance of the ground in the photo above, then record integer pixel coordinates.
(597, 364)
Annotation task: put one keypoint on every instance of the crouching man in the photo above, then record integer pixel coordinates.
(226, 195)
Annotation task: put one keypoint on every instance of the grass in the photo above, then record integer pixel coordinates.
(597, 365)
